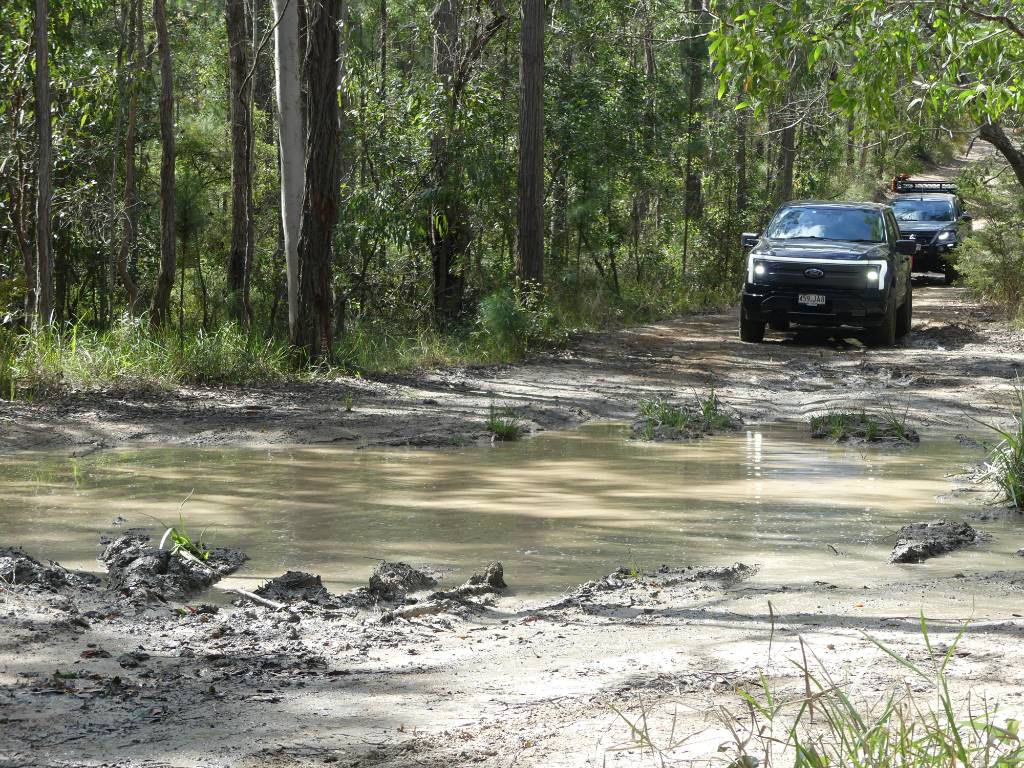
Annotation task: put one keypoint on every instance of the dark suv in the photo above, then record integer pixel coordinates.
(829, 264)
(932, 214)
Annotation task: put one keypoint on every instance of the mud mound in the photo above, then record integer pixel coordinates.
(296, 587)
(917, 542)
(393, 581)
(137, 568)
(950, 336)
(17, 568)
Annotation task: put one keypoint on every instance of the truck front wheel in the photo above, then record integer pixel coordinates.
(751, 331)
(905, 314)
(885, 334)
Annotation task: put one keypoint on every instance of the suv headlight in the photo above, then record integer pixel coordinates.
(755, 269)
(946, 235)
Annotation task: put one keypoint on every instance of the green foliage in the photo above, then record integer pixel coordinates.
(843, 426)
(503, 424)
(992, 258)
(892, 61)
(1005, 466)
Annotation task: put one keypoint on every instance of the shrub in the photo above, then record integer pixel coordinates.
(1005, 465)
(991, 259)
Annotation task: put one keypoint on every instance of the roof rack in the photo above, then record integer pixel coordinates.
(922, 185)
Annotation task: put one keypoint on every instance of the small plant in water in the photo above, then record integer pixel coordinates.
(181, 541)
(844, 426)
(661, 419)
(1005, 465)
(503, 424)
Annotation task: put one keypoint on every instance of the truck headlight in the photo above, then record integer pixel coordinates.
(759, 269)
(947, 235)
(873, 276)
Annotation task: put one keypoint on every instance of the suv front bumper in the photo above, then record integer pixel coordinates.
(766, 303)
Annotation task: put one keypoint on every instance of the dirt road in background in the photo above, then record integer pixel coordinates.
(959, 363)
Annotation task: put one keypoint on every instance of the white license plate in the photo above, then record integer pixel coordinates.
(811, 299)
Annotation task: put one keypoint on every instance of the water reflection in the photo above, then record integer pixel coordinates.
(558, 509)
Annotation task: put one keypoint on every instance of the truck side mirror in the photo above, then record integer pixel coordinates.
(966, 218)
(749, 239)
(907, 247)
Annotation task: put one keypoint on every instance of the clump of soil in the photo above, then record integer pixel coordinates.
(917, 542)
(456, 601)
(393, 581)
(295, 587)
(18, 568)
(661, 420)
(863, 428)
(138, 569)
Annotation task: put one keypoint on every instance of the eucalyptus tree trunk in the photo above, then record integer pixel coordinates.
(742, 190)
(130, 200)
(994, 134)
(313, 327)
(787, 159)
(240, 113)
(447, 229)
(530, 254)
(290, 131)
(44, 170)
(160, 306)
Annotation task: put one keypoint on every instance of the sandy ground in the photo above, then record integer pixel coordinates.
(959, 363)
(547, 685)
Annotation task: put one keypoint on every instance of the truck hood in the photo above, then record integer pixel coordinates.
(819, 249)
(908, 227)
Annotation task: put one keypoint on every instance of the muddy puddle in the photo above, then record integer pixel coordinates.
(557, 509)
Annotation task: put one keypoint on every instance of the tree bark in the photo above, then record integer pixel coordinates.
(313, 329)
(448, 237)
(160, 306)
(130, 200)
(290, 141)
(787, 158)
(530, 254)
(994, 134)
(742, 191)
(240, 112)
(44, 170)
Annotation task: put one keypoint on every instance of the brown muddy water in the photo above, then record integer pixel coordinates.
(557, 510)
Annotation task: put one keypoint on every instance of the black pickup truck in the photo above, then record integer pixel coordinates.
(829, 264)
(931, 214)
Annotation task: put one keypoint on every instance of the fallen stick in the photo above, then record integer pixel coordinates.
(261, 600)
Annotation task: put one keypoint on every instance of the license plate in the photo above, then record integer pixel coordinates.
(811, 299)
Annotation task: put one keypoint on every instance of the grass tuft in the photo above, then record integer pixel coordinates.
(661, 419)
(846, 426)
(503, 424)
(1005, 465)
(920, 722)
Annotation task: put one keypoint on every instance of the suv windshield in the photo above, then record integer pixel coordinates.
(828, 223)
(923, 210)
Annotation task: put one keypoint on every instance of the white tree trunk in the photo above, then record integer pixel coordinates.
(287, 62)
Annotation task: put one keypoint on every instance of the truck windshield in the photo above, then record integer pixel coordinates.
(828, 223)
(923, 210)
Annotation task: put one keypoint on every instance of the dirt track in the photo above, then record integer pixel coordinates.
(959, 363)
